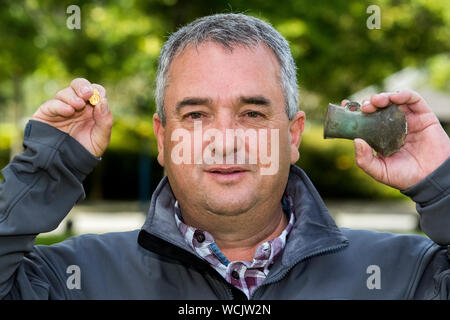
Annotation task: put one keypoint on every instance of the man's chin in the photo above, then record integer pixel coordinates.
(229, 204)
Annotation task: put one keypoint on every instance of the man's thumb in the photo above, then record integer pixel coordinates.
(102, 114)
(103, 125)
(365, 159)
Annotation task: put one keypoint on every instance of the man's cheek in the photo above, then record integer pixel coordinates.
(269, 151)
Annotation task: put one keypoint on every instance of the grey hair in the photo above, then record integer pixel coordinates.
(229, 29)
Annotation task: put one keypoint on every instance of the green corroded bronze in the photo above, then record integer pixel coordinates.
(384, 130)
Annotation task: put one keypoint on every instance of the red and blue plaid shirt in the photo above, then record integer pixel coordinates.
(244, 275)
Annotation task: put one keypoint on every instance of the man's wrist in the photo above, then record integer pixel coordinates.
(74, 154)
(435, 186)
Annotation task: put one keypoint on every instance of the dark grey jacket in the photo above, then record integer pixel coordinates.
(320, 260)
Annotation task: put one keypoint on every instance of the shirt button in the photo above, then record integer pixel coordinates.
(200, 237)
(235, 275)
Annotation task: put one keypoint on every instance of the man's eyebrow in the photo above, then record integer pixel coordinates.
(198, 101)
(193, 101)
(256, 100)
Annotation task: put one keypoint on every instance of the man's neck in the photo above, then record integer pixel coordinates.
(238, 236)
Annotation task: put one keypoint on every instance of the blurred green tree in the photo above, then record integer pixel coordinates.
(19, 57)
(119, 42)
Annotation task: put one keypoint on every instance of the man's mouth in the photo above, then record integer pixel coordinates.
(227, 175)
(226, 170)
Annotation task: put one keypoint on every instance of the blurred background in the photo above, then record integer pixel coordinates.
(339, 49)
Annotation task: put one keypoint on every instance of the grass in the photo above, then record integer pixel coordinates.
(51, 239)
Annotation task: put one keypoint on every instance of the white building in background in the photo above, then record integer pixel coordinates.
(417, 80)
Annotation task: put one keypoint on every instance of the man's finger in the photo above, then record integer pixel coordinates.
(83, 88)
(367, 107)
(412, 99)
(68, 95)
(380, 100)
(55, 108)
(376, 101)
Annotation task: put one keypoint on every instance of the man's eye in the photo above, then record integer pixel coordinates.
(193, 115)
(253, 114)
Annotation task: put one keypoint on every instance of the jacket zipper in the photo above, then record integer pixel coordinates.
(193, 261)
(314, 254)
(222, 281)
(229, 288)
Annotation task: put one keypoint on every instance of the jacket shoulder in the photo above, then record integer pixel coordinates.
(98, 259)
(389, 247)
(401, 258)
(381, 238)
(90, 246)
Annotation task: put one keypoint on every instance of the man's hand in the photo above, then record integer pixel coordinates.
(70, 112)
(426, 146)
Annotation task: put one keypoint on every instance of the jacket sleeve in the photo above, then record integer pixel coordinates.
(40, 187)
(432, 197)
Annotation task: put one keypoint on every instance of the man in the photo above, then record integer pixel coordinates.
(221, 229)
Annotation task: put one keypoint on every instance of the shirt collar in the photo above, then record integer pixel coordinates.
(203, 243)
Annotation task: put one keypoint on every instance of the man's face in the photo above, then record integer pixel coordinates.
(221, 92)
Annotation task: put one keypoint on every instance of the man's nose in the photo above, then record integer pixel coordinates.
(227, 125)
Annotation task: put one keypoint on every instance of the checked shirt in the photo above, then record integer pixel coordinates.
(244, 275)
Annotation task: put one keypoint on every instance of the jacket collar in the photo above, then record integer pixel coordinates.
(314, 230)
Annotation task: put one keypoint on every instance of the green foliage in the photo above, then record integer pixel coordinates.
(119, 42)
(18, 52)
(131, 134)
(6, 134)
(439, 67)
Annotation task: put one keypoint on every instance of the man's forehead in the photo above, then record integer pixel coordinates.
(227, 47)
(246, 71)
(207, 51)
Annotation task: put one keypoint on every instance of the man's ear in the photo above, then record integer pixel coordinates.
(158, 128)
(296, 126)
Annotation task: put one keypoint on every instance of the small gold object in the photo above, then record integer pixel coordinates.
(95, 98)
